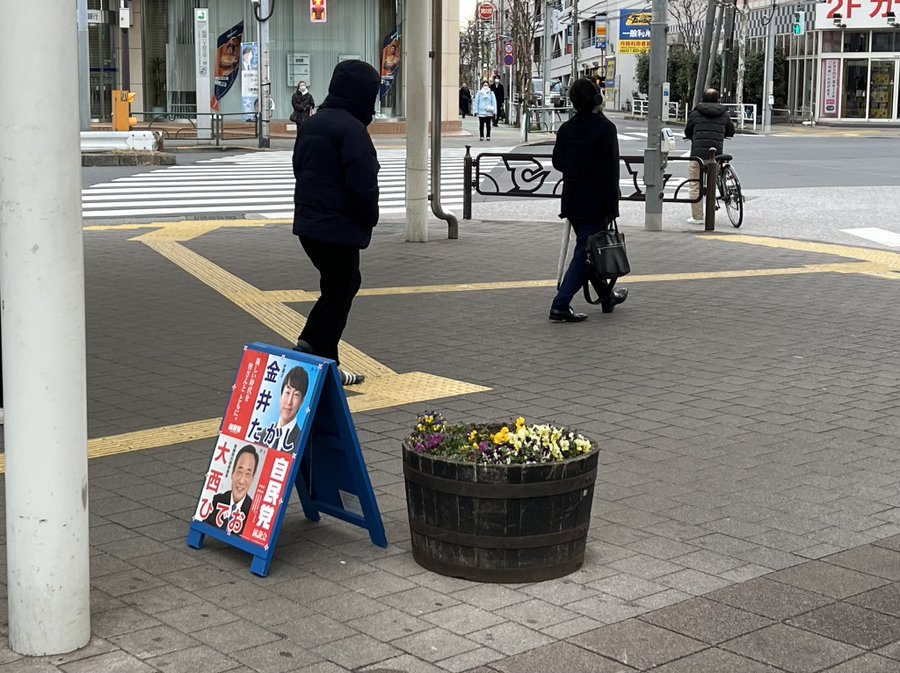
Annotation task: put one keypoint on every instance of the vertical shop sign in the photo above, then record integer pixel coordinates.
(831, 81)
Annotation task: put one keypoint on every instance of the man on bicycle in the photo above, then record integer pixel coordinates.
(708, 125)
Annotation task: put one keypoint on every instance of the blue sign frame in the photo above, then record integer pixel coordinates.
(327, 466)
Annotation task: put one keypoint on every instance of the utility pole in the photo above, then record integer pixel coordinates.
(714, 50)
(768, 84)
(728, 53)
(574, 41)
(742, 53)
(703, 63)
(263, 14)
(124, 22)
(43, 333)
(653, 167)
(84, 67)
(415, 39)
(545, 69)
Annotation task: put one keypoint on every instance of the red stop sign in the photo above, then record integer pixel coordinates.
(485, 11)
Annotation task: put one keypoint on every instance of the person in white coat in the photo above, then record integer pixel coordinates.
(484, 107)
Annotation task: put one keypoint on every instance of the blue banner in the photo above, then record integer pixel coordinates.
(228, 58)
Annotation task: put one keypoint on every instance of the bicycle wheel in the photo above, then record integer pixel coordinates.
(734, 200)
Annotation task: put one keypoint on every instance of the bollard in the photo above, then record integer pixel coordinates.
(467, 184)
(711, 166)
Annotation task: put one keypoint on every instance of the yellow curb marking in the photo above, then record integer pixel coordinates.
(292, 296)
(384, 387)
(389, 390)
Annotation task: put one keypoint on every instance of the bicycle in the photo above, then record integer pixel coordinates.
(729, 190)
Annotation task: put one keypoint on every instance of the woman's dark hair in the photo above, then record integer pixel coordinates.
(584, 94)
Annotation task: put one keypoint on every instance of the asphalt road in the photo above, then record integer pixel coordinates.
(799, 182)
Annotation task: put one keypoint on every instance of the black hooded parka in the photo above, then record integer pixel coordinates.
(335, 163)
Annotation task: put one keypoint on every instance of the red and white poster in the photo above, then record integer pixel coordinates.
(245, 485)
(831, 85)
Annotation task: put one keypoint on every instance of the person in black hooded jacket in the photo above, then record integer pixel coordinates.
(336, 201)
(708, 125)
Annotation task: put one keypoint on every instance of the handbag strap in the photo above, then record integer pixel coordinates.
(591, 280)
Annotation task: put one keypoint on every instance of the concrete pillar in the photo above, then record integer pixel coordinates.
(415, 36)
(43, 333)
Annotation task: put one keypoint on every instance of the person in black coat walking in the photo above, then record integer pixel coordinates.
(465, 100)
(303, 103)
(708, 125)
(336, 201)
(587, 154)
(500, 95)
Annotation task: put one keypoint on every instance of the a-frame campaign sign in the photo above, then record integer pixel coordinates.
(287, 425)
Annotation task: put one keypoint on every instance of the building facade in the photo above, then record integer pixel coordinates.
(162, 64)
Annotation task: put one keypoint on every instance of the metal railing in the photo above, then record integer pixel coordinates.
(543, 119)
(741, 114)
(220, 128)
(531, 175)
(640, 107)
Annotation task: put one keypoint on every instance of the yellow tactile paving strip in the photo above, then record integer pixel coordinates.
(385, 387)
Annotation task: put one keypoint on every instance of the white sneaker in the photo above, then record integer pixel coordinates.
(694, 220)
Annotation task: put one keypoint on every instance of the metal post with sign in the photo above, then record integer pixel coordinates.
(201, 52)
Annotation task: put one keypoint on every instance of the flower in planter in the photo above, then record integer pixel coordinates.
(514, 443)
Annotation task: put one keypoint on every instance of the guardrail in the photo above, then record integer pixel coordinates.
(640, 107)
(546, 119)
(531, 175)
(109, 141)
(219, 127)
(745, 112)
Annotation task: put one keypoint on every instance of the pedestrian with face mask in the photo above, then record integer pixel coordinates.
(303, 103)
(485, 108)
(500, 95)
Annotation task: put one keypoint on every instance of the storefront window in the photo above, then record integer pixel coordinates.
(856, 40)
(855, 83)
(831, 41)
(882, 41)
(882, 92)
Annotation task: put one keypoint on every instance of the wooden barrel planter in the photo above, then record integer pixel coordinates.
(499, 523)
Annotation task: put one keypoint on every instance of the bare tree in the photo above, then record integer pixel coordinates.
(524, 24)
(470, 54)
(688, 18)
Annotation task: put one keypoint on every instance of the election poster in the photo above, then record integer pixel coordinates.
(228, 56)
(634, 31)
(246, 484)
(249, 80)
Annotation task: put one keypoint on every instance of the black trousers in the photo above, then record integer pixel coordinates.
(339, 281)
(484, 124)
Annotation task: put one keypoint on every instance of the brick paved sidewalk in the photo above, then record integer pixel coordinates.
(746, 516)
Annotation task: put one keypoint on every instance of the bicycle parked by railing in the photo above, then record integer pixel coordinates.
(729, 190)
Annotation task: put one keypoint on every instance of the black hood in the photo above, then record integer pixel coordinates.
(354, 86)
(710, 109)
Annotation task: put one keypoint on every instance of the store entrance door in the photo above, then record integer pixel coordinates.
(856, 84)
(881, 94)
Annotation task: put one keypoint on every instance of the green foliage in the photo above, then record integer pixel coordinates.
(754, 73)
(682, 72)
(642, 72)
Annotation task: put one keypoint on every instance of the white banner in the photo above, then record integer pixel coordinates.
(249, 80)
(852, 14)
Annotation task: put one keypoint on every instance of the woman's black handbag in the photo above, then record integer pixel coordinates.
(606, 260)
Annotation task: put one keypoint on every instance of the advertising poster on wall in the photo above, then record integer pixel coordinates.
(249, 80)
(831, 80)
(390, 61)
(245, 485)
(228, 56)
(634, 31)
